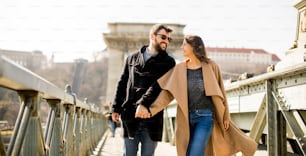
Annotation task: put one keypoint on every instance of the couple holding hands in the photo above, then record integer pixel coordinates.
(151, 80)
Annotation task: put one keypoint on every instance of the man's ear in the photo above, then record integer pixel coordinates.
(152, 36)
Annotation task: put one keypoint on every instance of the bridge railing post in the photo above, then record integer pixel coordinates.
(28, 137)
(68, 133)
(276, 123)
(83, 147)
(53, 131)
(77, 130)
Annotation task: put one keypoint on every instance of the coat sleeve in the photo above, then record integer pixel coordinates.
(148, 98)
(163, 99)
(165, 96)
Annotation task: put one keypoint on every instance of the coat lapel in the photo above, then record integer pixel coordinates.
(176, 82)
(210, 81)
(183, 91)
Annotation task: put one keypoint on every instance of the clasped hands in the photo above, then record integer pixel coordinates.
(142, 112)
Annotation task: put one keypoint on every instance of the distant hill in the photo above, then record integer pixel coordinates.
(9, 113)
(93, 80)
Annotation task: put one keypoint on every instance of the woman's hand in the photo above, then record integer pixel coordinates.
(226, 124)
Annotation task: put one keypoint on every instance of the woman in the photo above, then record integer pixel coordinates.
(202, 110)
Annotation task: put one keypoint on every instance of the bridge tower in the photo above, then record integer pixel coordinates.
(297, 53)
(126, 38)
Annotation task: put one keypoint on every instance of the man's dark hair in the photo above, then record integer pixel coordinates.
(157, 27)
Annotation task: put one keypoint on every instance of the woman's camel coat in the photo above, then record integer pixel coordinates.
(223, 142)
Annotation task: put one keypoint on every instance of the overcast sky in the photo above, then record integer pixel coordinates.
(73, 28)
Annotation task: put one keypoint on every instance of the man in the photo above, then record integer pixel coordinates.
(141, 70)
(112, 124)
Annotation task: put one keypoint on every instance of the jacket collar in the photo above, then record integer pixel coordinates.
(160, 53)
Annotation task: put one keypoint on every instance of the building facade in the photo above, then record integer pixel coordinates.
(236, 61)
(31, 60)
(257, 56)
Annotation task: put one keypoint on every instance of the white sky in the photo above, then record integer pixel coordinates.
(73, 28)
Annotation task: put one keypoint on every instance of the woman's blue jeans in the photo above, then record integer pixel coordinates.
(201, 125)
(141, 136)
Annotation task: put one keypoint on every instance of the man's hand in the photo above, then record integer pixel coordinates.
(115, 117)
(142, 112)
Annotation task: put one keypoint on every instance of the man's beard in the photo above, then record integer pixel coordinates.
(158, 47)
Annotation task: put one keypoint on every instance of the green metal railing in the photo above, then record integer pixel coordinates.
(73, 127)
(275, 106)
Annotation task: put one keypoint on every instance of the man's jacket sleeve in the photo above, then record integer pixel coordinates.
(120, 94)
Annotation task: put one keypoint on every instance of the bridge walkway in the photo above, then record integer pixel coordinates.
(113, 146)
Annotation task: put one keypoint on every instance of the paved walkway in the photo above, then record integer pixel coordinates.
(113, 146)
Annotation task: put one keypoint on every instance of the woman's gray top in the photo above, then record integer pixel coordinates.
(197, 98)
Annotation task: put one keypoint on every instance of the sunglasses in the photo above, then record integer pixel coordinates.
(164, 37)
